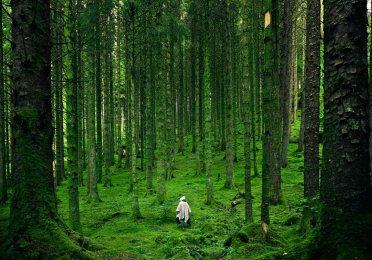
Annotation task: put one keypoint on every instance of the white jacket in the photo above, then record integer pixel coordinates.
(183, 211)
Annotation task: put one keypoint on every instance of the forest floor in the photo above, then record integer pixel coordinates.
(217, 232)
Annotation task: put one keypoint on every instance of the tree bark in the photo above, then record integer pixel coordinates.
(230, 183)
(312, 88)
(32, 137)
(285, 80)
(345, 189)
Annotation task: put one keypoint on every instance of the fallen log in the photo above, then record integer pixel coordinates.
(234, 203)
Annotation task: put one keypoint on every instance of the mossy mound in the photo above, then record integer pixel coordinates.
(189, 239)
(248, 251)
(214, 252)
(252, 234)
(208, 227)
(183, 255)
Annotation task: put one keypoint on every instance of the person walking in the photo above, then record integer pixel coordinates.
(183, 212)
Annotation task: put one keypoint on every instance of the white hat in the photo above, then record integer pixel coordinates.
(183, 198)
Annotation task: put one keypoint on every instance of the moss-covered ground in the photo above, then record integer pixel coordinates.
(217, 232)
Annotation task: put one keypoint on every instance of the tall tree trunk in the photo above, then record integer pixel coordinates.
(119, 89)
(106, 98)
(252, 70)
(32, 137)
(276, 196)
(247, 58)
(345, 188)
(181, 109)
(79, 112)
(230, 184)
(207, 107)
(294, 61)
(149, 114)
(268, 110)
(303, 84)
(98, 38)
(71, 108)
(3, 185)
(312, 88)
(160, 114)
(285, 80)
(92, 160)
(127, 101)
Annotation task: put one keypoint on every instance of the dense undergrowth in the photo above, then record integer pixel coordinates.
(217, 232)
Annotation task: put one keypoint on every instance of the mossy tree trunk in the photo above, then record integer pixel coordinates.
(79, 111)
(207, 105)
(98, 39)
(303, 83)
(253, 71)
(284, 80)
(181, 107)
(3, 186)
(106, 95)
(230, 184)
(127, 100)
(345, 188)
(119, 89)
(58, 92)
(160, 143)
(93, 195)
(267, 110)
(32, 137)
(247, 74)
(149, 113)
(294, 60)
(276, 196)
(72, 120)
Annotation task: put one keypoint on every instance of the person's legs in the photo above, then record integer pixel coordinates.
(182, 221)
(189, 222)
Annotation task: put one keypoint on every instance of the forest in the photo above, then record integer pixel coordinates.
(255, 114)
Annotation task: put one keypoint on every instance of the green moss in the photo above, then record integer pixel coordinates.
(343, 239)
(159, 237)
(208, 227)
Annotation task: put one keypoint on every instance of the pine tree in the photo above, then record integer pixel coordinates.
(247, 38)
(312, 89)
(230, 184)
(32, 140)
(345, 188)
(285, 81)
(160, 143)
(3, 185)
(207, 106)
(98, 39)
(71, 107)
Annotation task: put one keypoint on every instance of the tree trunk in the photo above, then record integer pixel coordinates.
(71, 124)
(312, 88)
(345, 189)
(32, 137)
(106, 98)
(230, 184)
(207, 107)
(285, 80)
(98, 35)
(160, 144)
(3, 184)
(120, 90)
(294, 61)
(247, 72)
(303, 84)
